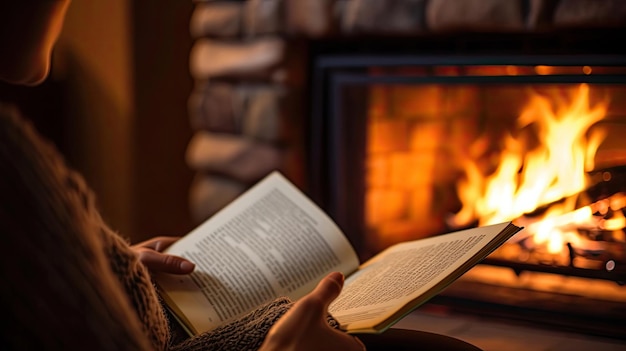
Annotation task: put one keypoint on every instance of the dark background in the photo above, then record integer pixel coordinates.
(143, 193)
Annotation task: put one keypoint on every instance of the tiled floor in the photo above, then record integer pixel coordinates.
(495, 336)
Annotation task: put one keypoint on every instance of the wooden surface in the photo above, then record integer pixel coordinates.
(492, 335)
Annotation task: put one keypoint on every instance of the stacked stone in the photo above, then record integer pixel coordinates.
(234, 107)
(249, 64)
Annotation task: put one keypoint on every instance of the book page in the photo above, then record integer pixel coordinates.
(272, 241)
(410, 273)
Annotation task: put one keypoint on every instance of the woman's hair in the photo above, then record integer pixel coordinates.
(58, 288)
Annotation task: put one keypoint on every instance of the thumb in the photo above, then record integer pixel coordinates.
(314, 306)
(329, 288)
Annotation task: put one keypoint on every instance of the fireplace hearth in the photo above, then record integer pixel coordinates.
(388, 135)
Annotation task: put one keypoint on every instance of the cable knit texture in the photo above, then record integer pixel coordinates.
(69, 281)
(58, 289)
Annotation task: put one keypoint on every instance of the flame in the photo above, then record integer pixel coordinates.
(527, 178)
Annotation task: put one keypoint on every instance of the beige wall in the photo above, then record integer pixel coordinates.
(94, 58)
(123, 66)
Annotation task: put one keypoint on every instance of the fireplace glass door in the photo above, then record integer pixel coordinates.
(408, 147)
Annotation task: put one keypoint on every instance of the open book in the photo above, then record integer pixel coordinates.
(274, 241)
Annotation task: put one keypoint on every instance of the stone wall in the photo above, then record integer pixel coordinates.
(249, 64)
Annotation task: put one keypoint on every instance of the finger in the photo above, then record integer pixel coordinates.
(360, 344)
(158, 243)
(159, 262)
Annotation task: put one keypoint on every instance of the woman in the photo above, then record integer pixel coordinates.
(69, 281)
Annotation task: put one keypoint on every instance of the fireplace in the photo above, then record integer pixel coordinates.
(313, 88)
(405, 146)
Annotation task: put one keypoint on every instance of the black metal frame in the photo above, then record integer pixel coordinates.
(337, 145)
(336, 160)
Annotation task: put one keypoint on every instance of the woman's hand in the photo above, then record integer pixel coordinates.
(304, 326)
(151, 254)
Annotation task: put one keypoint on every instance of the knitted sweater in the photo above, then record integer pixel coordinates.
(69, 281)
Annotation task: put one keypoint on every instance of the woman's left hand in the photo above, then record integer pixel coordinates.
(151, 254)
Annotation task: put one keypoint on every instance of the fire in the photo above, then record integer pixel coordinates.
(548, 170)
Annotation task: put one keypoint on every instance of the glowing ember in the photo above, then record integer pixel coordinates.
(529, 176)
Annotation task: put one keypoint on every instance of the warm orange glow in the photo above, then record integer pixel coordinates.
(511, 70)
(544, 70)
(617, 221)
(420, 137)
(406, 137)
(530, 177)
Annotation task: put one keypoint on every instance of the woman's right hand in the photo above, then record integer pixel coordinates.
(304, 326)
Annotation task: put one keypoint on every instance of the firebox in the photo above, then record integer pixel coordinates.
(408, 144)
